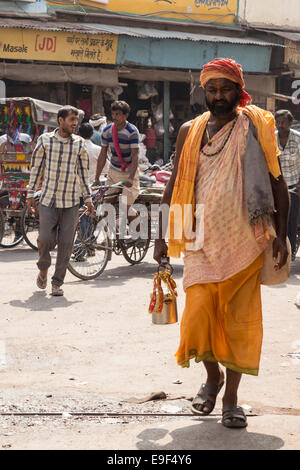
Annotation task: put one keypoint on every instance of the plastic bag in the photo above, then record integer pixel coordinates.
(159, 128)
(146, 90)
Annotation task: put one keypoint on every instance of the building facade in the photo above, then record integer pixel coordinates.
(149, 53)
(280, 20)
(270, 13)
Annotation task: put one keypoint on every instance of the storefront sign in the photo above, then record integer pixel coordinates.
(221, 11)
(27, 44)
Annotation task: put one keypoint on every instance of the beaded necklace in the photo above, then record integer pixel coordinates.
(223, 145)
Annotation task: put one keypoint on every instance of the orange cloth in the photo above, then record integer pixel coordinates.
(184, 188)
(229, 69)
(229, 243)
(222, 322)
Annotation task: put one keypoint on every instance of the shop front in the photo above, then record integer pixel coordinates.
(289, 82)
(58, 65)
(157, 72)
(168, 65)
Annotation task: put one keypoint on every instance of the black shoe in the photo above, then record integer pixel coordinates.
(91, 252)
(18, 235)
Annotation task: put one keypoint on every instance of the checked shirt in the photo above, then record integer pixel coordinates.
(62, 166)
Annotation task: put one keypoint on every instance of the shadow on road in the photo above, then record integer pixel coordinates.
(39, 302)
(207, 435)
(121, 274)
(17, 254)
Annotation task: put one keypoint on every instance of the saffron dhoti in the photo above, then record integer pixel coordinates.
(222, 322)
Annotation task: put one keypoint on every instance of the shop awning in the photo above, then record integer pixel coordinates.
(94, 28)
(30, 72)
(183, 36)
(46, 25)
(158, 75)
(129, 46)
(277, 96)
(291, 36)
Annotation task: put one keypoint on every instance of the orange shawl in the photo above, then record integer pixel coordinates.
(184, 188)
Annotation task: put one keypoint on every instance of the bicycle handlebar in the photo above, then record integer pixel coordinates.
(106, 187)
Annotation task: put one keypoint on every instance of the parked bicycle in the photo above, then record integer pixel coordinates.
(10, 213)
(17, 224)
(98, 237)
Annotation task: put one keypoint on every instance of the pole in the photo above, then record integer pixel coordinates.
(166, 120)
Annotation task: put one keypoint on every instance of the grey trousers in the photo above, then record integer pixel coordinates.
(57, 227)
(293, 220)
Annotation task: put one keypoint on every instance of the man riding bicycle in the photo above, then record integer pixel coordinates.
(122, 139)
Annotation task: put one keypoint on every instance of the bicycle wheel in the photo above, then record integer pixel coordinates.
(12, 232)
(92, 249)
(30, 228)
(134, 251)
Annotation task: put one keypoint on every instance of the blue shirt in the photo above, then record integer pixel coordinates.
(128, 140)
(96, 139)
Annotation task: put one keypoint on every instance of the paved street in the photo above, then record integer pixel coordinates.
(96, 349)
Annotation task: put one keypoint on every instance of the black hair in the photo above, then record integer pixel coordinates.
(65, 111)
(86, 130)
(285, 113)
(120, 106)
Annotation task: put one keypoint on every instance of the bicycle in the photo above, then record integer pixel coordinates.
(30, 223)
(18, 223)
(97, 238)
(10, 211)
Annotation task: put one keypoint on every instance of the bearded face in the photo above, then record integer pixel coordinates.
(222, 96)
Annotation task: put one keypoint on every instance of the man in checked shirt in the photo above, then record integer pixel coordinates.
(60, 157)
(288, 141)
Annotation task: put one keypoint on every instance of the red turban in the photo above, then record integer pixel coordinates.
(225, 68)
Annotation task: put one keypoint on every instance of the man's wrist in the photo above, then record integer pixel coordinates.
(282, 236)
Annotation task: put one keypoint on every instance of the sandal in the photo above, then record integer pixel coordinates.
(41, 281)
(235, 416)
(202, 398)
(57, 291)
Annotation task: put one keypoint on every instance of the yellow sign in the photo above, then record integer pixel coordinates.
(220, 11)
(28, 44)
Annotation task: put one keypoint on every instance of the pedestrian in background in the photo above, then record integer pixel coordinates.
(61, 159)
(86, 131)
(98, 122)
(288, 141)
(122, 139)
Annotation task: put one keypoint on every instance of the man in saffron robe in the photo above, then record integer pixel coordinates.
(227, 163)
